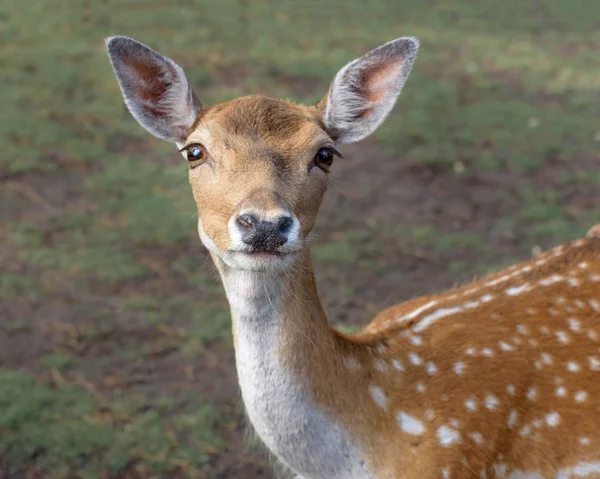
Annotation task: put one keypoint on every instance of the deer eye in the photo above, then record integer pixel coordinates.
(324, 158)
(196, 154)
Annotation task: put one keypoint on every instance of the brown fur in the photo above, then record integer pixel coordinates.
(264, 149)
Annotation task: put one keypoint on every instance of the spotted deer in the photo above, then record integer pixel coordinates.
(499, 378)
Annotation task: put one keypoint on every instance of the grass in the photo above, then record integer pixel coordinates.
(64, 430)
(100, 268)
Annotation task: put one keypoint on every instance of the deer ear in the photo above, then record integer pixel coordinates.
(155, 89)
(364, 92)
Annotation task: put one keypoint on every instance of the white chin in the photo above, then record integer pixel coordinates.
(258, 261)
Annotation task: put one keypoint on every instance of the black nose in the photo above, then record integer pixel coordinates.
(264, 235)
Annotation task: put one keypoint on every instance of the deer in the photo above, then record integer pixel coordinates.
(496, 378)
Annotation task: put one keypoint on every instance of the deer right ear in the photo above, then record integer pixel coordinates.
(364, 92)
(155, 89)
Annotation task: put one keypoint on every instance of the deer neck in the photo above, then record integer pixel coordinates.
(283, 346)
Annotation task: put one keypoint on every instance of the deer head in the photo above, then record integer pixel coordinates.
(258, 166)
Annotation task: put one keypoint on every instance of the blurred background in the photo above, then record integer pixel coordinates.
(115, 347)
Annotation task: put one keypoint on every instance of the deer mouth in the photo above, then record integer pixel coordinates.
(260, 260)
(265, 254)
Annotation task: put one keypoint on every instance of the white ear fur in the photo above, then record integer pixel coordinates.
(155, 89)
(364, 92)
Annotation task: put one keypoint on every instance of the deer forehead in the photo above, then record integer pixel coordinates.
(254, 128)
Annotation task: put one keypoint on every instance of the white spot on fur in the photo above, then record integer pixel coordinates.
(487, 352)
(430, 414)
(421, 387)
(555, 278)
(416, 312)
(518, 474)
(594, 304)
(378, 396)
(581, 396)
(445, 473)
(431, 368)
(582, 469)
(574, 324)
(352, 363)
(415, 359)
(433, 317)
(532, 394)
(416, 340)
(491, 402)
(594, 363)
(512, 418)
(563, 337)
(459, 368)
(448, 436)
(516, 290)
(410, 424)
(505, 346)
(546, 358)
(522, 329)
(476, 436)
(380, 365)
(573, 282)
(470, 351)
(584, 441)
(499, 469)
(510, 389)
(553, 419)
(573, 366)
(398, 364)
(525, 430)
(471, 404)
(592, 335)
(560, 391)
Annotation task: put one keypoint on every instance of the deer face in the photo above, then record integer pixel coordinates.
(258, 166)
(260, 178)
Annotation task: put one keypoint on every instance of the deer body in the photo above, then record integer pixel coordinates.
(496, 379)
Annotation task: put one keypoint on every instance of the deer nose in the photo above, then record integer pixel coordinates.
(264, 235)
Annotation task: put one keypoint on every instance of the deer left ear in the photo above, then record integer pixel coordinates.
(155, 89)
(364, 92)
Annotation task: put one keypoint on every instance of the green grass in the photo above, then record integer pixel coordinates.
(58, 360)
(64, 431)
